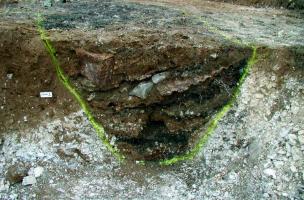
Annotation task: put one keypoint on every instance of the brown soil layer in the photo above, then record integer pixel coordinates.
(25, 71)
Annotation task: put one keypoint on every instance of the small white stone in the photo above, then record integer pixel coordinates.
(284, 132)
(3, 185)
(301, 136)
(278, 164)
(142, 90)
(296, 154)
(272, 156)
(29, 180)
(266, 195)
(292, 139)
(233, 176)
(259, 96)
(159, 77)
(282, 152)
(281, 33)
(91, 97)
(295, 109)
(214, 55)
(9, 76)
(36, 172)
(113, 140)
(293, 168)
(270, 172)
(14, 196)
(288, 148)
(287, 107)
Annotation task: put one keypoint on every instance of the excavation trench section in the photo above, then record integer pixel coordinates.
(149, 77)
(152, 90)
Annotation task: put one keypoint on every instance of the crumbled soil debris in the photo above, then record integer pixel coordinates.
(17, 172)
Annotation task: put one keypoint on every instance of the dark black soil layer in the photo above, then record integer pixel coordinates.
(290, 4)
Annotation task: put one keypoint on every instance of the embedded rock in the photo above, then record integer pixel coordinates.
(142, 90)
(29, 180)
(17, 172)
(36, 172)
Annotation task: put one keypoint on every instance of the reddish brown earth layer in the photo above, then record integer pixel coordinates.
(25, 71)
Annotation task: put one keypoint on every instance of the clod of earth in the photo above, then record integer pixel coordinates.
(17, 172)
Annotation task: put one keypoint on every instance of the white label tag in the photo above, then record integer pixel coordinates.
(46, 94)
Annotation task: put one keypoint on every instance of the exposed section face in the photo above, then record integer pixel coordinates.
(152, 91)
